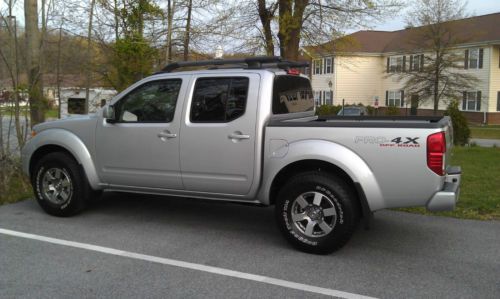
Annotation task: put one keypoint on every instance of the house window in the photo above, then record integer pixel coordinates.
(471, 101)
(76, 106)
(394, 98)
(396, 64)
(316, 66)
(416, 63)
(498, 101)
(474, 58)
(328, 95)
(317, 98)
(328, 65)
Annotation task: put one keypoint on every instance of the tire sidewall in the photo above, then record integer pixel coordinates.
(76, 201)
(341, 198)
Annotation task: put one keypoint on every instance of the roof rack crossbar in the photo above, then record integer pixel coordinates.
(251, 63)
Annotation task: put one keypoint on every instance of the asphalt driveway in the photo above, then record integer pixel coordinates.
(153, 247)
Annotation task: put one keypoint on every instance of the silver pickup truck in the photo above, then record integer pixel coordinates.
(245, 131)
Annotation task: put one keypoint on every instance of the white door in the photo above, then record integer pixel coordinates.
(218, 134)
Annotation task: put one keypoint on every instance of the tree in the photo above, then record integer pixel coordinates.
(438, 35)
(33, 43)
(89, 57)
(313, 21)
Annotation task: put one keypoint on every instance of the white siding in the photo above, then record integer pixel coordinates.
(358, 79)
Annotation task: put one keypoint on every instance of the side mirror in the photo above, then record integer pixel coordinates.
(109, 114)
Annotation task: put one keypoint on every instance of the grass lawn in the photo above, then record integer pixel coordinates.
(15, 189)
(485, 132)
(480, 187)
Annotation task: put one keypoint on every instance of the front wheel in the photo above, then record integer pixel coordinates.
(60, 185)
(317, 212)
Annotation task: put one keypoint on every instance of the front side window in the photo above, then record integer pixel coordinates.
(219, 99)
(316, 66)
(328, 65)
(394, 98)
(151, 102)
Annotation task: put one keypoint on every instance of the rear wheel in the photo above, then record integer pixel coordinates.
(317, 212)
(60, 185)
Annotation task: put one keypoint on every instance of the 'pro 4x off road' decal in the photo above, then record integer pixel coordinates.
(386, 142)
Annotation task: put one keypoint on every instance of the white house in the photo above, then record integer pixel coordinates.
(357, 68)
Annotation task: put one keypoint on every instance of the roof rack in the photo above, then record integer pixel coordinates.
(258, 62)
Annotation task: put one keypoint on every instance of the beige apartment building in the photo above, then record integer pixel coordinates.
(364, 68)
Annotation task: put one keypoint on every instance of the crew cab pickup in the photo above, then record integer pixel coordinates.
(245, 131)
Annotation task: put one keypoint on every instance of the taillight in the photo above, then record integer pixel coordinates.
(436, 148)
(293, 72)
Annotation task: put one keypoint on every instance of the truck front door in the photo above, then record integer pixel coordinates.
(141, 148)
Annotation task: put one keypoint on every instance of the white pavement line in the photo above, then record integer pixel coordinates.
(187, 265)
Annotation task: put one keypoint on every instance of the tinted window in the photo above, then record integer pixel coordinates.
(292, 94)
(151, 102)
(219, 99)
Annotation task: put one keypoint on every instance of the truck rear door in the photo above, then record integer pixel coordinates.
(217, 147)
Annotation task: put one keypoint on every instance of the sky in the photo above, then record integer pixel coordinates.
(474, 7)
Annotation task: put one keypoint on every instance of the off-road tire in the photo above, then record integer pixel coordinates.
(335, 193)
(78, 192)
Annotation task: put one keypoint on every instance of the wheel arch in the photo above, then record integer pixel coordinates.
(322, 155)
(59, 140)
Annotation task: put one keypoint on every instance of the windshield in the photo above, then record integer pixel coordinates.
(292, 94)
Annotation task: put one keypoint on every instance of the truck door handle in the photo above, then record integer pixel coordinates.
(238, 136)
(167, 135)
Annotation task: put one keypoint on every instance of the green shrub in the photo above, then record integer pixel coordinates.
(326, 110)
(461, 131)
(392, 110)
(370, 110)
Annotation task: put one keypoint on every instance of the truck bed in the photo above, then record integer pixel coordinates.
(428, 122)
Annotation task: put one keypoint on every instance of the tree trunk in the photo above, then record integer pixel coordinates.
(170, 19)
(115, 12)
(266, 16)
(89, 58)
(290, 25)
(188, 30)
(58, 71)
(37, 105)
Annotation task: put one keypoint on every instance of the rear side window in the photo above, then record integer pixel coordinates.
(219, 99)
(292, 94)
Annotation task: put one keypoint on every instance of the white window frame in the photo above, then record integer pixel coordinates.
(317, 65)
(471, 101)
(396, 64)
(473, 56)
(328, 97)
(394, 98)
(328, 65)
(414, 58)
(317, 98)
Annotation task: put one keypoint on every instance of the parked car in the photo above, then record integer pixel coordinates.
(245, 134)
(353, 111)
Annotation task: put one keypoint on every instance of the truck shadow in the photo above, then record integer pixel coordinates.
(393, 232)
